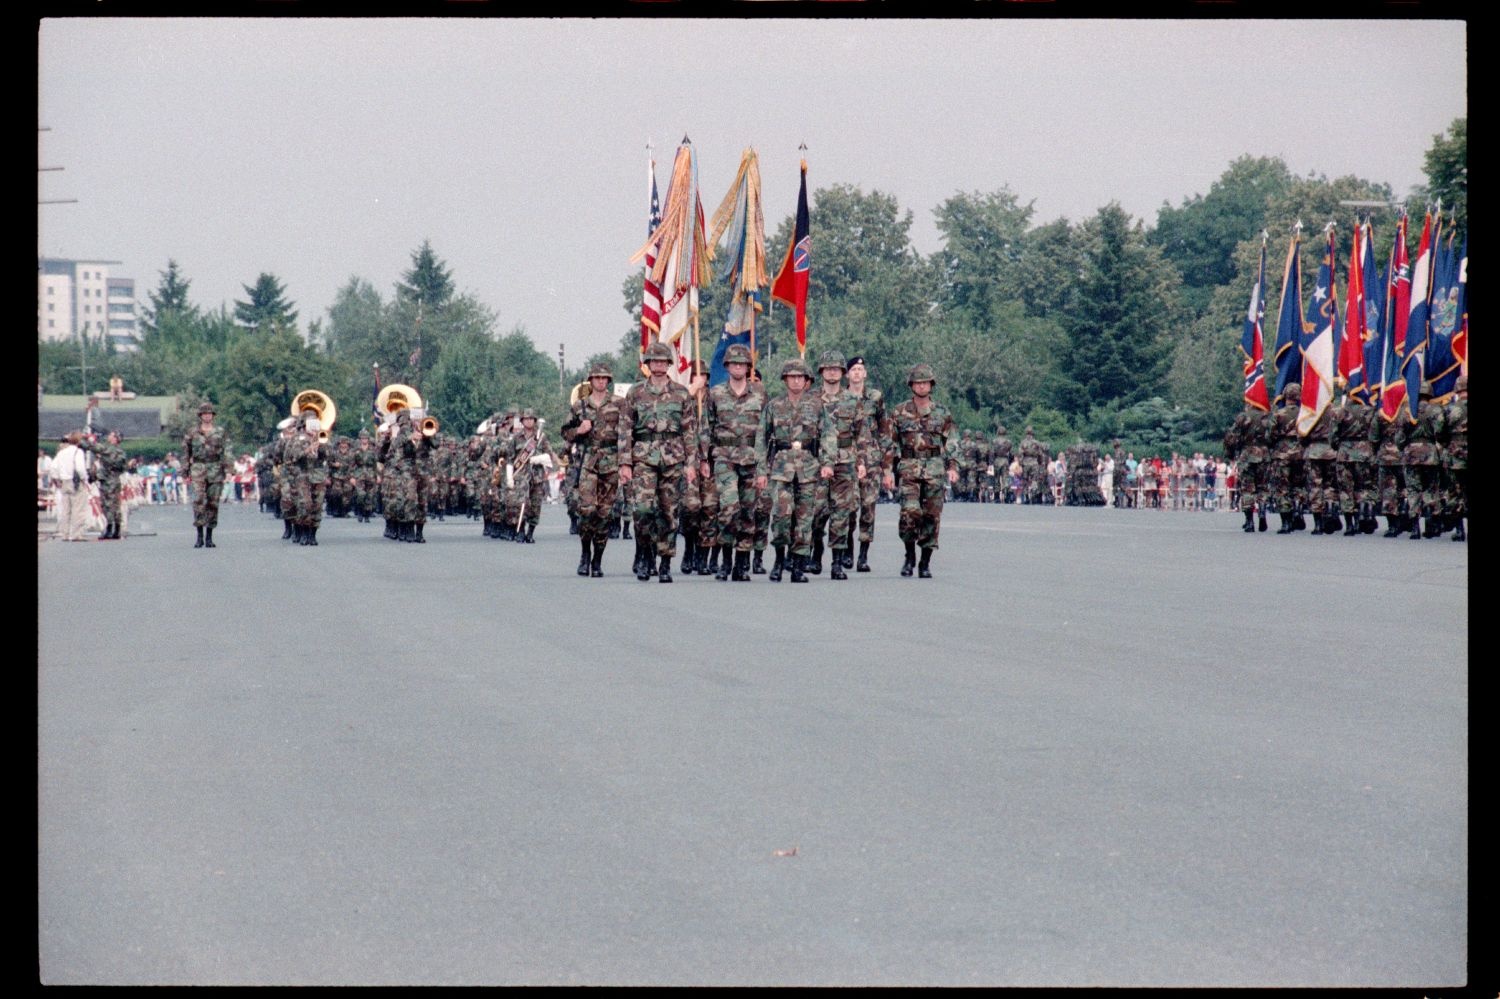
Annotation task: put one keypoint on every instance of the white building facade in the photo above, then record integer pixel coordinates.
(81, 297)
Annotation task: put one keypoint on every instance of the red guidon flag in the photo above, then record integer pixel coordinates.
(790, 285)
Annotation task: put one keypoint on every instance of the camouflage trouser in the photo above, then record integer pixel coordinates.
(921, 510)
(206, 490)
(793, 509)
(436, 493)
(109, 498)
(1356, 485)
(869, 493)
(1392, 485)
(762, 519)
(1252, 485)
(341, 495)
(1035, 482)
(399, 494)
(699, 511)
(1284, 483)
(596, 491)
(1456, 491)
(270, 493)
(512, 496)
(838, 502)
(655, 491)
(1423, 489)
(1322, 488)
(734, 485)
(364, 496)
(536, 495)
(308, 499)
(1118, 484)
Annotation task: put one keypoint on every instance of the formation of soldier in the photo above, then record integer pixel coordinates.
(1353, 466)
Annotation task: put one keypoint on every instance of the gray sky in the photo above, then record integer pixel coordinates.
(324, 149)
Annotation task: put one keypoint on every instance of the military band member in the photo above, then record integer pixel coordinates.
(658, 445)
(341, 472)
(307, 457)
(925, 453)
(786, 445)
(593, 428)
(366, 476)
(205, 463)
(731, 419)
(534, 460)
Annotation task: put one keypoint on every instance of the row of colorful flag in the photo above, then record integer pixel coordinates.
(1394, 332)
(679, 249)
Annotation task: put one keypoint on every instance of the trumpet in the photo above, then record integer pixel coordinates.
(428, 425)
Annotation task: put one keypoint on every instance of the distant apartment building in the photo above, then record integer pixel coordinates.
(80, 297)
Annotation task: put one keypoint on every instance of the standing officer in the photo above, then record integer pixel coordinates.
(925, 447)
(786, 459)
(593, 428)
(109, 463)
(730, 422)
(658, 444)
(206, 462)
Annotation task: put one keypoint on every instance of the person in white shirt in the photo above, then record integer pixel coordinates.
(70, 477)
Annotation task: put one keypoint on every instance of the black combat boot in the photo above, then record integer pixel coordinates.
(108, 531)
(530, 538)
(1351, 528)
(911, 557)
(849, 546)
(716, 554)
(1300, 522)
(863, 565)
(573, 523)
(778, 565)
(924, 570)
(1260, 522)
(583, 562)
(1434, 527)
(312, 536)
(287, 530)
(757, 564)
(416, 533)
(624, 528)
(1458, 530)
(664, 574)
(596, 564)
(1415, 520)
(722, 554)
(689, 555)
(1286, 524)
(199, 542)
(645, 561)
(1391, 528)
(741, 566)
(1318, 522)
(837, 570)
(798, 567)
(614, 529)
(1249, 527)
(815, 564)
(208, 537)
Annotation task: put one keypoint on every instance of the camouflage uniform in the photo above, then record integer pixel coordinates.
(402, 454)
(341, 471)
(529, 477)
(786, 446)
(1388, 437)
(658, 436)
(366, 475)
(727, 441)
(1356, 464)
(925, 450)
(1001, 452)
(307, 458)
(205, 459)
(1319, 463)
(1033, 468)
(1455, 459)
(109, 465)
(1247, 442)
(597, 462)
(844, 440)
(266, 486)
(1083, 476)
(1422, 458)
(876, 422)
(1285, 478)
(698, 506)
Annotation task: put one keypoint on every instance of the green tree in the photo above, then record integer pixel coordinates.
(268, 305)
(261, 375)
(983, 238)
(1446, 164)
(428, 281)
(169, 302)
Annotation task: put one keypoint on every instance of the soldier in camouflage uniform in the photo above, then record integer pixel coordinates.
(109, 465)
(341, 479)
(265, 477)
(400, 496)
(476, 476)
(1247, 441)
(494, 463)
(307, 459)
(731, 419)
(205, 463)
(1285, 478)
(698, 512)
(924, 450)
(844, 440)
(1455, 459)
(286, 504)
(1356, 464)
(1422, 458)
(1001, 453)
(366, 471)
(1083, 475)
(1319, 469)
(534, 460)
(786, 460)
(593, 430)
(873, 402)
(1388, 438)
(1117, 475)
(1033, 468)
(658, 446)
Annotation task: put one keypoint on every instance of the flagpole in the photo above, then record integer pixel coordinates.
(802, 163)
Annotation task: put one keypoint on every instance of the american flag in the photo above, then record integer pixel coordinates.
(651, 294)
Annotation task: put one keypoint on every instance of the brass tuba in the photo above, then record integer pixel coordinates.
(579, 391)
(320, 403)
(394, 398)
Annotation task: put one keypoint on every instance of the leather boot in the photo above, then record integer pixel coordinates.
(837, 570)
(757, 564)
(1416, 526)
(416, 533)
(1350, 527)
(625, 528)
(1300, 522)
(726, 563)
(664, 574)
(1458, 530)
(583, 561)
(815, 564)
(1433, 527)
(287, 530)
(635, 566)
(1318, 521)
(614, 529)
(716, 554)
(741, 566)
(689, 555)
(780, 562)
(798, 569)
(863, 565)
(910, 564)
(530, 538)
(199, 543)
(573, 523)
(596, 564)
(1286, 524)
(1249, 527)
(924, 570)
(312, 537)
(208, 537)
(1391, 530)
(1260, 522)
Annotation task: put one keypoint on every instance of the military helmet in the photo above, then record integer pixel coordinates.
(1294, 391)
(600, 368)
(737, 353)
(794, 367)
(528, 413)
(1000, 430)
(207, 407)
(658, 351)
(701, 367)
(364, 435)
(921, 373)
(832, 359)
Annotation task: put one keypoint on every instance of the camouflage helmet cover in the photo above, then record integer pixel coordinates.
(601, 369)
(921, 373)
(832, 359)
(737, 353)
(794, 367)
(657, 351)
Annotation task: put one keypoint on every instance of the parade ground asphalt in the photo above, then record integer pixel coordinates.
(1100, 747)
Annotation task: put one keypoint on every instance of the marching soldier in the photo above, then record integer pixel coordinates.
(1246, 441)
(1455, 459)
(1117, 475)
(786, 460)
(1001, 453)
(925, 452)
(341, 472)
(307, 457)
(1286, 462)
(1356, 464)
(699, 508)
(593, 429)
(844, 441)
(731, 420)
(366, 472)
(874, 418)
(205, 462)
(1388, 438)
(1319, 467)
(658, 444)
(534, 458)
(1033, 467)
(1422, 458)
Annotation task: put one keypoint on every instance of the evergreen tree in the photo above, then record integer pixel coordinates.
(268, 306)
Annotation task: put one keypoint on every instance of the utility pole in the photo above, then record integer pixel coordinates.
(562, 370)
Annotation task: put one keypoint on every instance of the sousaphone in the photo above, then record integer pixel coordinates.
(321, 404)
